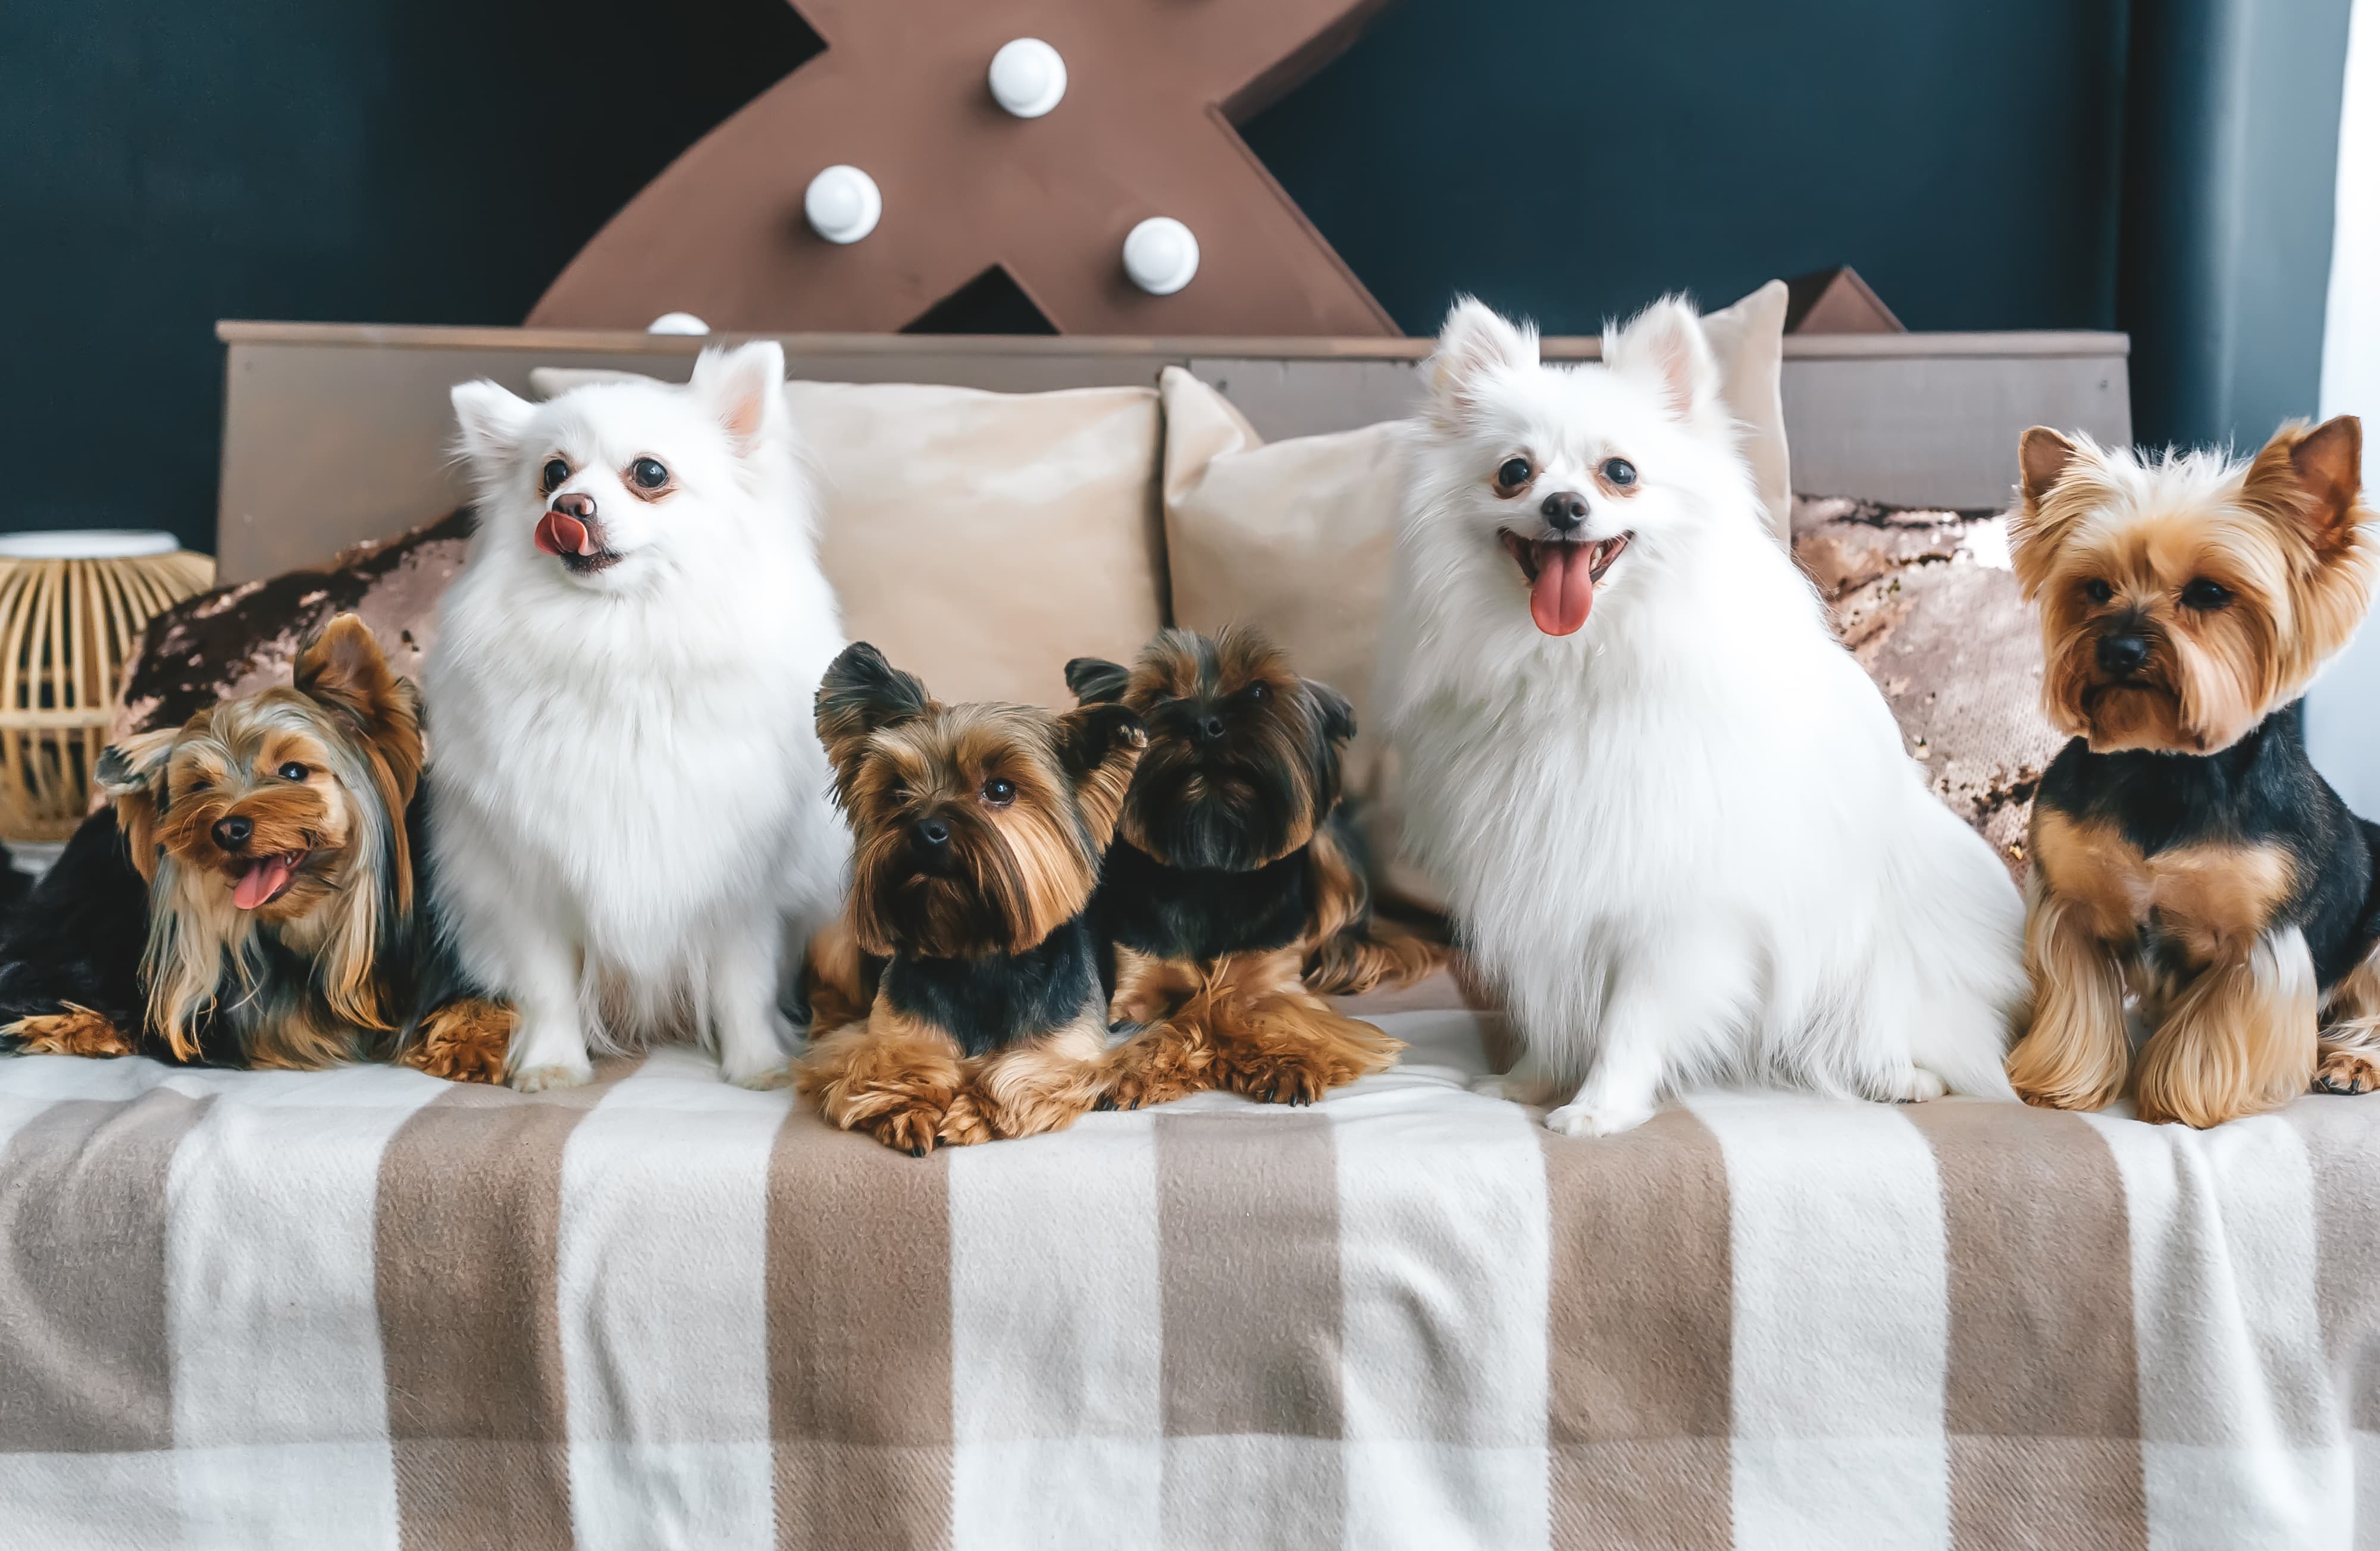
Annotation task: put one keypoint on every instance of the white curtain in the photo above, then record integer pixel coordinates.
(2343, 711)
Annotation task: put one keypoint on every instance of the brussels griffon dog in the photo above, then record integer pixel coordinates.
(249, 895)
(1233, 899)
(977, 835)
(2185, 854)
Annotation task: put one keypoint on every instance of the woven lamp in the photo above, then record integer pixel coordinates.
(72, 607)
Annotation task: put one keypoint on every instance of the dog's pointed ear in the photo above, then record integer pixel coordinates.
(2311, 479)
(489, 420)
(1476, 344)
(2036, 527)
(137, 765)
(1333, 714)
(745, 388)
(1099, 746)
(2042, 456)
(862, 693)
(341, 667)
(2308, 482)
(131, 775)
(1097, 681)
(1665, 346)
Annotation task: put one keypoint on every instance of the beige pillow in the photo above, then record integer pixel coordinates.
(1296, 536)
(979, 538)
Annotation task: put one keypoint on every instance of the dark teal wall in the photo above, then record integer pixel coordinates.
(437, 160)
(164, 165)
(1573, 160)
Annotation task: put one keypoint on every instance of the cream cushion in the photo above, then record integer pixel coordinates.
(980, 539)
(1295, 537)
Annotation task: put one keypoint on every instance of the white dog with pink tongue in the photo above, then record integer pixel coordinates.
(631, 823)
(1671, 815)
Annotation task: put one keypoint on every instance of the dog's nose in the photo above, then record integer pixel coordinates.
(2123, 654)
(1564, 510)
(1209, 728)
(932, 831)
(578, 503)
(232, 832)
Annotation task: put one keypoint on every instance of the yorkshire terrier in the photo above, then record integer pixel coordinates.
(1234, 899)
(2185, 853)
(249, 896)
(978, 832)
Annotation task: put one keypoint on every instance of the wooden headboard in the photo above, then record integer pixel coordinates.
(335, 433)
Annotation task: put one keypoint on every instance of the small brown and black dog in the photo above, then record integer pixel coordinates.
(2186, 855)
(249, 894)
(978, 832)
(1234, 899)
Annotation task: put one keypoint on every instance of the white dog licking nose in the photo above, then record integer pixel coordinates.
(633, 818)
(1671, 814)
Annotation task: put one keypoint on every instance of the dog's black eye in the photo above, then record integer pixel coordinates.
(556, 472)
(1256, 691)
(293, 771)
(1620, 471)
(999, 792)
(649, 474)
(1515, 473)
(2205, 595)
(2097, 590)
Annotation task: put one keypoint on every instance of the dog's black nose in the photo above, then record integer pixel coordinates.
(1564, 510)
(578, 503)
(232, 832)
(932, 831)
(2123, 654)
(1208, 728)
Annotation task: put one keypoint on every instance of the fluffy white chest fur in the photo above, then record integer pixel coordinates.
(1673, 816)
(632, 816)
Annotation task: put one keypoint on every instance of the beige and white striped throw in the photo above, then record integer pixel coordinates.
(367, 1309)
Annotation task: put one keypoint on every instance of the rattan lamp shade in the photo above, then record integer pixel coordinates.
(72, 607)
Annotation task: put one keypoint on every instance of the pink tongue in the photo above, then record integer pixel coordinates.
(560, 533)
(1564, 590)
(261, 882)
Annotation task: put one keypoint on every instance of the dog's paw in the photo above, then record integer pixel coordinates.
(1580, 1120)
(963, 1124)
(2345, 1070)
(1917, 1084)
(558, 1074)
(1490, 1085)
(78, 1031)
(761, 1079)
(911, 1128)
(463, 1041)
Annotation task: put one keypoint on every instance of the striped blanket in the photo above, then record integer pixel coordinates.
(364, 1308)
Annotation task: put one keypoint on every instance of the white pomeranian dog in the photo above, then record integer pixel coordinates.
(632, 816)
(1671, 815)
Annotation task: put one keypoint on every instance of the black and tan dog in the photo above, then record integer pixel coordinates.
(978, 832)
(1234, 901)
(2186, 855)
(249, 896)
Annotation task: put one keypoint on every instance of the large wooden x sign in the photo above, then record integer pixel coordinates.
(1153, 89)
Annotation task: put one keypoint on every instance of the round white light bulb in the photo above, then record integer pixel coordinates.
(677, 323)
(1161, 255)
(1027, 77)
(843, 204)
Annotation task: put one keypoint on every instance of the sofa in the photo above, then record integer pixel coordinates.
(365, 1307)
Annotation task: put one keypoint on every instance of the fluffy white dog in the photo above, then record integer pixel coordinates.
(1671, 814)
(631, 803)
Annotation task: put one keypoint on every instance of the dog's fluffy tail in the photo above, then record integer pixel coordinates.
(1349, 950)
(1960, 924)
(1379, 953)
